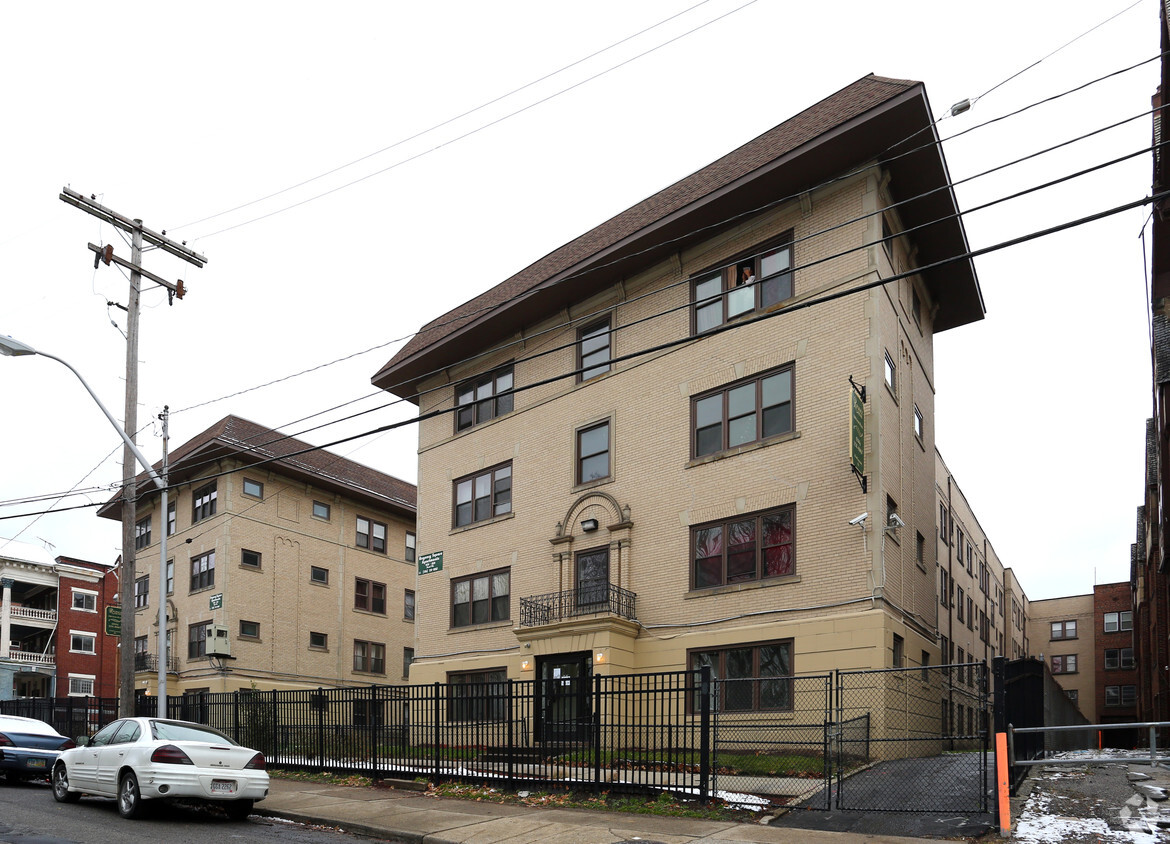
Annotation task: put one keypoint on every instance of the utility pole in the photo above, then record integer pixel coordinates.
(139, 234)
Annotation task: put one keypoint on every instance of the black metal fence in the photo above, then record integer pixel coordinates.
(895, 740)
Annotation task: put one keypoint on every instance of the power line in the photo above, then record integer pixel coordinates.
(465, 316)
(473, 131)
(795, 268)
(449, 120)
(936, 142)
(739, 323)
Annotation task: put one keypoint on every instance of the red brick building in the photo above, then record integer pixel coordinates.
(87, 657)
(1113, 641)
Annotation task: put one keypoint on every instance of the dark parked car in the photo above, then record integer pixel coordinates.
(28, 747)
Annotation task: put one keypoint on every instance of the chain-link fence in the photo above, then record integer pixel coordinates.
(925, 744)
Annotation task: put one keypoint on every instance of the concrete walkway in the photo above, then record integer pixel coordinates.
(409, 815)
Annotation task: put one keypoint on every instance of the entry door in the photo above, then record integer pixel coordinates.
(565, 714)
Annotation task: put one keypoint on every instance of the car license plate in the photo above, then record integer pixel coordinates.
(34, 763)
(223, 786)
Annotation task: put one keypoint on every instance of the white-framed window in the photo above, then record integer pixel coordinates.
(84, 600)
(1116, 622)
(82, 642)
(81, 685)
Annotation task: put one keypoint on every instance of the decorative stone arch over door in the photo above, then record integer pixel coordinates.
(613, 528)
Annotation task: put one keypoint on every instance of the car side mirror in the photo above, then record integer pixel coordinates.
(82, 741)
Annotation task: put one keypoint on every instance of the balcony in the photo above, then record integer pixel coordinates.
(149, 662)
(33, 614)
(555, 607)
(34, 657)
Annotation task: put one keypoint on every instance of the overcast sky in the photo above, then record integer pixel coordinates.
(175, 112)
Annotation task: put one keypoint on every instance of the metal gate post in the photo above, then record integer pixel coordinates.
(704, 732)
(840, 730)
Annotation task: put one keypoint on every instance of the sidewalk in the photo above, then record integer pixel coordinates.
(409, 816)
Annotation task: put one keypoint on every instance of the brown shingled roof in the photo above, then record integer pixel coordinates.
(247, 441)
(487, 316)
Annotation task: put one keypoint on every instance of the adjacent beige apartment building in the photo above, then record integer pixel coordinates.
(635, 454)
(288, 567)
(1062, 630)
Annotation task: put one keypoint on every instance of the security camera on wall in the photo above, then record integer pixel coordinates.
(860, 520)
(896, 521)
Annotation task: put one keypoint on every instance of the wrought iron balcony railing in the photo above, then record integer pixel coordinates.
(558, 606)
(149, 662)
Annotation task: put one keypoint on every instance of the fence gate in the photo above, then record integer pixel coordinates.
(771, 738)
(912, 739)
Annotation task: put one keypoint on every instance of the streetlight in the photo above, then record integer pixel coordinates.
(11, 347)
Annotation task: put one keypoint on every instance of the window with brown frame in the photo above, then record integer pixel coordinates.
(142, 533)
(369, 657)
(478, 695)
(752, 677)
(369, 595)
(593, 350)
(203, 502)
(742, 549)
(411, 547)
(593, 453)
(752, 283)
(253, 489)
(197, 639)
(1065, 664)
(743, 412)
(1063, 629)
(371, 535)
(479, 400)
(408, 604)
(203, 571)
(481, 599)
(482, 496)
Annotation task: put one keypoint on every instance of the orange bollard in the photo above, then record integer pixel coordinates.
(1004, 784)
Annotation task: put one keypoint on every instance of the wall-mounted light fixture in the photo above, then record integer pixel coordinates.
(526, 665)
(589, 525)
(599, 658)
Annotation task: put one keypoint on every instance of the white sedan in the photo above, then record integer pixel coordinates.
(137, 760)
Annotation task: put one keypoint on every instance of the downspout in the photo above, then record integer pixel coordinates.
(950, 610)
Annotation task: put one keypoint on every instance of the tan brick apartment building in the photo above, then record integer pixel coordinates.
(982, 609)
(634, 455)
(1063, 633)
(302, 560)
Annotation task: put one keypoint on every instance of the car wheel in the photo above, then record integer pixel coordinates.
(238, 810)
(129, 797)
(61, 792)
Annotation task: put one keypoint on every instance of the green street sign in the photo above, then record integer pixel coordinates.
(114, 620)
(857, 433)
(216, 602)
(429, 563)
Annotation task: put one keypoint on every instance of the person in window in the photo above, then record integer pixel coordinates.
(747, 276)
